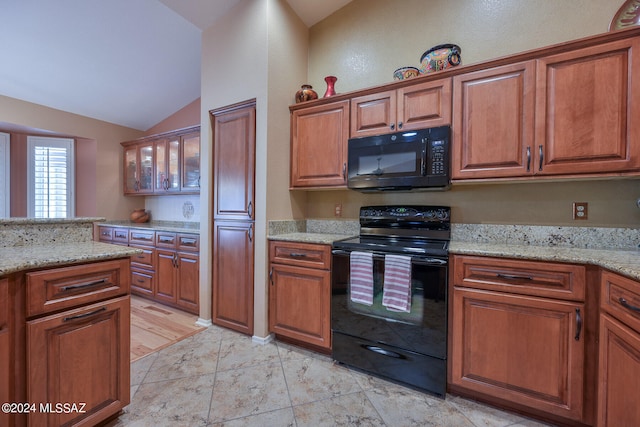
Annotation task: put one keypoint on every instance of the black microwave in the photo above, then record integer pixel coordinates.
(401, 161)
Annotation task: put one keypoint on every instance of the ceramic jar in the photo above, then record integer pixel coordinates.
(139, 215)
(306, 93)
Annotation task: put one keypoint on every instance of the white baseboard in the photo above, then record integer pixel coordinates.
(204, 322)
(263, 340)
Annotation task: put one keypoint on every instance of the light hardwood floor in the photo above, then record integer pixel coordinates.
(155, 326)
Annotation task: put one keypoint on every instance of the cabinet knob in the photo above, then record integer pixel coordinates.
(393, 126)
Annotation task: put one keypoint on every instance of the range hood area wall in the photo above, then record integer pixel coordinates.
(612, 203)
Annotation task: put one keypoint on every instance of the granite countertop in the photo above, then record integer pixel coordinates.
(19, 258)
(302, 237)
(174, 226)
(622, 261)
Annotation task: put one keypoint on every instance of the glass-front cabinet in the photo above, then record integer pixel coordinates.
(167, 163)
(138, 169)
(191, 162)
(167, 158)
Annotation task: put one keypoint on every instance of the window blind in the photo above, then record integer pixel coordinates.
(51, 177)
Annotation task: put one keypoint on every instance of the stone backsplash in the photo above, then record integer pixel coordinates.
(45, 231)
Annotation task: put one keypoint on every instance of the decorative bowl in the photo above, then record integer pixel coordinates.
(139, 216)
(440, 57)
(405, 73)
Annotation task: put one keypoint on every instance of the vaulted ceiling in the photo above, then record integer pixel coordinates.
(131, 63)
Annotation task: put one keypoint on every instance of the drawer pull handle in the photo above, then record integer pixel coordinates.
(513, 276)
(166, 239)
(297, 255)
(140, 280)
(626, 305)
(82, 316)
(184, 241)
(578, 324)
(84, 285)
(141, 236)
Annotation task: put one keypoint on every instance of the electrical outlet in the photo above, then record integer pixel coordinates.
(338, 210)
(580, 210)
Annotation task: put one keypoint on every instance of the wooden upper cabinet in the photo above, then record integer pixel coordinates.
(319, 137)
(586, 109)
(138, 168)
(167, 170)
(234, 163)
(167, 163)
(190, 165)
(493, 122)
(411, 107)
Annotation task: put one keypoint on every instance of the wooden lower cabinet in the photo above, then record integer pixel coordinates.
(299, 304)
(300, 293)
(5, 350)
(619, 355)
(523, 336)
(233, 250)
(179, 273)
(79, 358)
(519, 349)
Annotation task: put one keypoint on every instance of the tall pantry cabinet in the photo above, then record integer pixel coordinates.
(234, 142)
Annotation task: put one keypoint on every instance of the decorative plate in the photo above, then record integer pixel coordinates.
(627, 16)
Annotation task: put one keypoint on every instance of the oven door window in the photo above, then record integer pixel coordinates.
(423, 329)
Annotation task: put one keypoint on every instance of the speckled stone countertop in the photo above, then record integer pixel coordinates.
(615, 249)
(27, 257)
(174, 226)
(622, 261)
(313, 231)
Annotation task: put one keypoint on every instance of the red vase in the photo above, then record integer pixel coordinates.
(331, 81)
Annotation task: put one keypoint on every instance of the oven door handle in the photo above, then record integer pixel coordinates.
(382, 351)
(414, 259)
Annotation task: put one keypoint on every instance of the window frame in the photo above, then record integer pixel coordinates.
(5, 175)
(43, 141)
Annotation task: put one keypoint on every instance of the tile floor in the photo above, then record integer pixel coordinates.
(221, 378)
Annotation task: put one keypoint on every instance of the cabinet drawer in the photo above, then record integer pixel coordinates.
(545, 279)
(166, 240)
(121, 235)
(66, 287)
(141, 282)
(301, 254)
(105, 234)
(142, 237)
(620, 297)
(189, 242)
(145, 259)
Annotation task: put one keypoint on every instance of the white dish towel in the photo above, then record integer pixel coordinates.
(397, 283)
(361, 277)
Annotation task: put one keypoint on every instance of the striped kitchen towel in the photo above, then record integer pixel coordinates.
(397, 283)
(361, 277)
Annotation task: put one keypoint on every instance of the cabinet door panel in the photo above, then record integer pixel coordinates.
(188, 282)
(493, 122)
(424, 105)
(191, 162)
(619, 371)
(233, 250)
(5, 350)
(166, 274)
(373, 114)
(299, 301)
(234, 163)
(319, 138)
(518, 348)
(586, 109)
(80, 356)
(145, 177)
